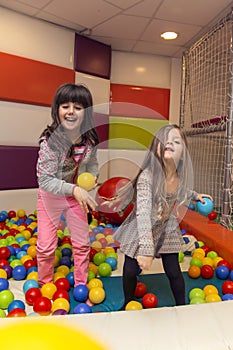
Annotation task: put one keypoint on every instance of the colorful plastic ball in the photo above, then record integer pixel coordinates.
(95, 282)
(181, 257)
(3, 273)
(48, 290)
(19, 273)
(82, 308)
(90, 275)
(97, 295)
(149, 300)
(206, 207)
(212, 254)
(30, 284)
(52, 334)
(207, 261)
(227, 287)
(86, 180)
(222, 272)
(196, 293)
(194, 271)
(210, 289)
(61, 304)
(140, 290)
(63, 283)
(17, 312)
(99, 258)
(112, 262)
(212, 215)
(66, 252)
(4, 253)
(70, 278)
(225, 297)
(196, 262)
(104, 269)
(133, 306)
(111, 255)
(197, 300)
(80, 292)
(4, 284)
(8, 269)
(59, 312)
(2, 313)
(16, 304)
(42, 306)
(61, 293)
(224, 263)
(65, 260)
(207, 271)
(32, 295)
(231, 275)
(213, 298)
(64, 269)
(6, 297)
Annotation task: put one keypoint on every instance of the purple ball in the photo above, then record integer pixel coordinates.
(8, 270)
(59, 312)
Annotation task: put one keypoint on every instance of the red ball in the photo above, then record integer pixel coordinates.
(149, 300)
(108, 190)
(140, 290)
(61, 293)
(17, 312)
(206, 249)
(11, 214)
(42, 306)
(32, 295)
(3, 262)
(225, 263)
(29, 263)
(227, 287)
(92, 254)
(4, 253)
(62, 283)
(212, 215)
(207, 271)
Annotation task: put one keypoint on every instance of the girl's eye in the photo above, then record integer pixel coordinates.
(78, 108)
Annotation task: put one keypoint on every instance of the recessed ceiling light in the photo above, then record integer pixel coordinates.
(169, 35)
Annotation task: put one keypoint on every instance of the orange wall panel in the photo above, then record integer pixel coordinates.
(30, 81)
(140, 101)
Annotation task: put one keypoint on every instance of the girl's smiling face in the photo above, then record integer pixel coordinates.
(71, 115)
(173, 147)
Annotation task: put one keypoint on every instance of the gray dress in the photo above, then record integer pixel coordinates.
(143, 232)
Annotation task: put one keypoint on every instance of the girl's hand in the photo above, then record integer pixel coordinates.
(145, 261)
(84, 199)
(201, 197)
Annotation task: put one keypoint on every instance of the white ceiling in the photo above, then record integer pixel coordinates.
(130, 25)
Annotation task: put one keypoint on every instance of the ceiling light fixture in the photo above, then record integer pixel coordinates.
(169, 35)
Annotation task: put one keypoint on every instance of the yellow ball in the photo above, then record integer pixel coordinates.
(46, 335)
(86, 181)
(133, 305)
(94, 283)
(96, 295)
(58, 275)
(27, 234)
(210, 289)
(21, 213)
(26, 258)
(108, 249)
(33, 276)
(64, 269)
(61, 303)
(208, 261)
(200, 251)
(3, 274)
(32, 251)
(213, 298)
(96, 245)
(48, 290)
(216, 261)
(92, 267)
(32, 240)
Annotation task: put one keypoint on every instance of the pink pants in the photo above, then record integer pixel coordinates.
(49, 210)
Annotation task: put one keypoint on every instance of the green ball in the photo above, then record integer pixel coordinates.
(200, 244)
(104, 270)
(212, 254)
(196, 262)
(99, 258)
(181, 256)
(6, 297)
(90, 276)
(2, 313)
(196, 293)
(16, 262)
(112, 255)
(197, 300)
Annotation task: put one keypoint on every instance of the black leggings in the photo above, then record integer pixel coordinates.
(172, 269)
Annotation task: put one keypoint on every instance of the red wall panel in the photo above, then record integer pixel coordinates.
(140, 101)
(29, 81)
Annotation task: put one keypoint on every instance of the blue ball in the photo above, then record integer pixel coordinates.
(19, 272)
(222, 272)
(82, 308)
(70, 278)
(80, 292)
(112, 262)
(16, 304)
(4, 284)
(191, 206)
(231, 275)
(227, 296)
(205, 208)
(65, 260)
(30, 284)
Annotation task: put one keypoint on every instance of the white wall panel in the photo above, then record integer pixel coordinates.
(140, 69)
(174, 111)
(100, 90)
(19, 199)
(23, 36)
(22, 124)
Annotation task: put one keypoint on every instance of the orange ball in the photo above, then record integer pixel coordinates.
(194, 271)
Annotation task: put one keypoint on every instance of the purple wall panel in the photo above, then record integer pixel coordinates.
(18, 167)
